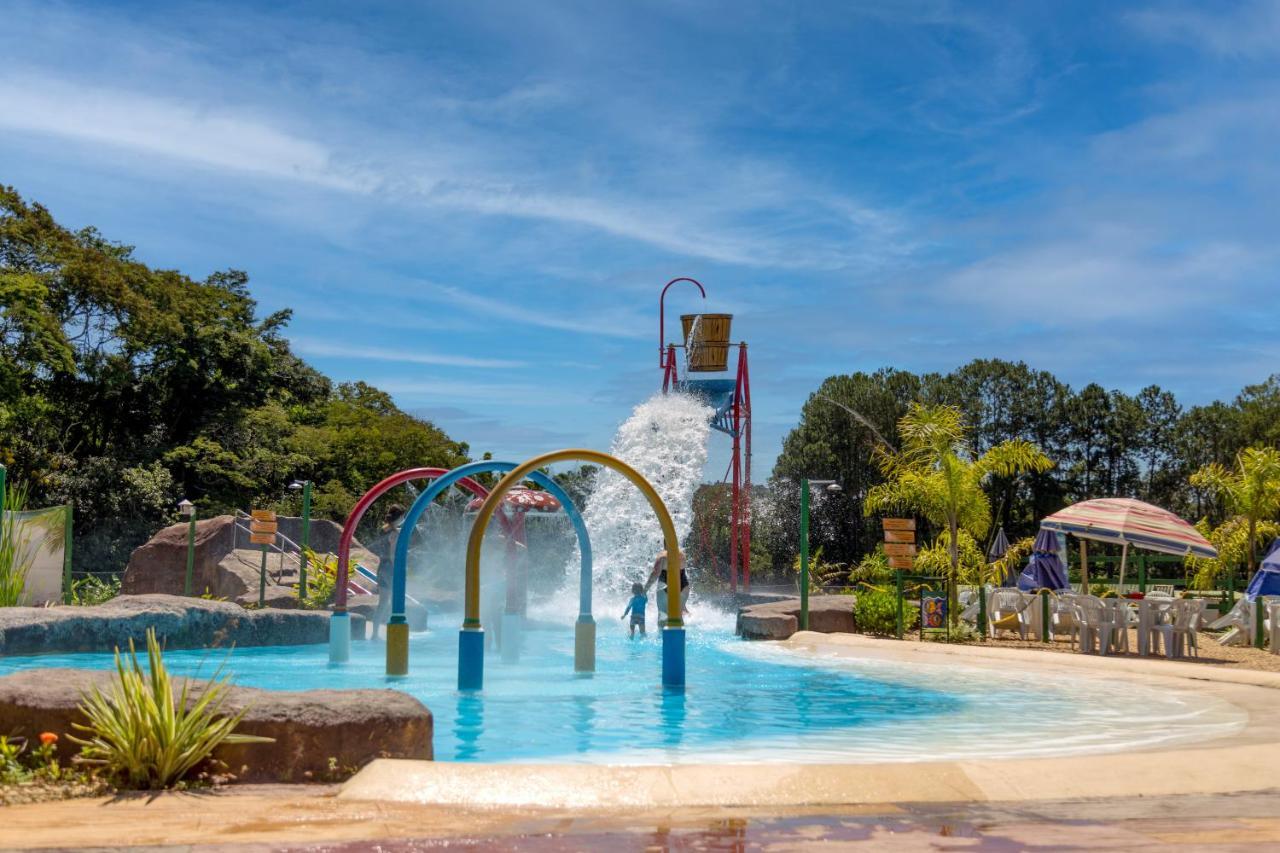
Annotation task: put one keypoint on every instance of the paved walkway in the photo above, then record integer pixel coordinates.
(311, 819)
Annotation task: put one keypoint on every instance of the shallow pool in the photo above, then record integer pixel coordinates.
(747, 702)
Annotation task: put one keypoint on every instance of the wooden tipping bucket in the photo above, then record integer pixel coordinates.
(709, 347)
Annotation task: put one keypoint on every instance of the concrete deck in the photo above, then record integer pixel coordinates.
(1246, 761)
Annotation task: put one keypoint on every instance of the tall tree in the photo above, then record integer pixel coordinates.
(937, 473)
(1250, 490)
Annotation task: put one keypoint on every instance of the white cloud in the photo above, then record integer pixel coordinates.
(1249, 29)
(171, 128)
(307, 346)
(1105, 276)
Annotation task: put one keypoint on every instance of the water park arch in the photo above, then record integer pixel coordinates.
(471, 638)
(340, 625)
(398, 628)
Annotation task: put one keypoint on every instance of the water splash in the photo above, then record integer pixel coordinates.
(665, 439)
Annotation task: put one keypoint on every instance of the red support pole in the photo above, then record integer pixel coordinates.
(744, 388)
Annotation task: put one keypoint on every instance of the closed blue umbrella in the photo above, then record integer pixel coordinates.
(1044, 570)
(1266, 580)
(999, 546)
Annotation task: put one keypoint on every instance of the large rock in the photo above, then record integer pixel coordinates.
(311, 728)
(778, 620)
(226, 564)
(181, 623)
(160, 564)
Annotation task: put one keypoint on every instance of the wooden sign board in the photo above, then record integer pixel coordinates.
(900, 536)
(901, 562)
(262, 527)
(899, 524)
(899, 549)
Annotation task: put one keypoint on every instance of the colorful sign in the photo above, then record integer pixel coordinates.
(933, 613)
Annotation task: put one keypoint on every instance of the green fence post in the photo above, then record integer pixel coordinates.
(804, 554)
(4, 500)
(982, 610)
(306, 539)
(1259, 628)
(1044, 615)
(1231, 586)
(1142, 573)
(897, 582)
(66, 556)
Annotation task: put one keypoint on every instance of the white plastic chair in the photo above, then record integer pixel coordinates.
(1063, 618)
(1179, 633)
(1160, 590)
(1007, 602)
(1097, 621)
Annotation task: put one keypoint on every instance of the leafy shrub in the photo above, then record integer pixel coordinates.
(875, 611)
(322, 579)
(142, 735)
(94, 589)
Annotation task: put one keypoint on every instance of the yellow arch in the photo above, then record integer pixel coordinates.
(675, 618)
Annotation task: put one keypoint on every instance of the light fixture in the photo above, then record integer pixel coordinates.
(186, 508)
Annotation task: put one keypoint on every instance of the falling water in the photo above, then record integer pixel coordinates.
(665, 439)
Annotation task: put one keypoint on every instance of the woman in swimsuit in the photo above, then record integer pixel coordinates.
(659, 575)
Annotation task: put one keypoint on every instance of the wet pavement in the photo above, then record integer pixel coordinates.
(1221, 822)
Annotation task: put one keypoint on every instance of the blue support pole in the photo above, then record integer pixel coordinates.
(424, 500)
(672, 657)
(471, 659)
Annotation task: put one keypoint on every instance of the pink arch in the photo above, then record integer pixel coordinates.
(358, 511)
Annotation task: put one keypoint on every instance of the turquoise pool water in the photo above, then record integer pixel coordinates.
(744, 702)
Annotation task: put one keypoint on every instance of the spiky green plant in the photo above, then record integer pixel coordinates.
(143, 735)
(15, 556)
(1250, 490)
(937, 474)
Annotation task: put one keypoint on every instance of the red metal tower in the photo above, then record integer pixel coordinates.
(708, 348)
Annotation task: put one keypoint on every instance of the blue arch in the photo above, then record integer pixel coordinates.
(399, 578)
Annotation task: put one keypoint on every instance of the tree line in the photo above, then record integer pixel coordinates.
(1103, 443)
(124, 389)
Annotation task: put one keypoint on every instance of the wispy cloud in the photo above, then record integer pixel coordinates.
(610, 324)
(311, 347)
(1248, 29)
(217, 139)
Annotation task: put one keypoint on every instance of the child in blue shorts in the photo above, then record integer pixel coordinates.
(636, 608)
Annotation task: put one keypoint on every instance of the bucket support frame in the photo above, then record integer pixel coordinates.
(733, 418)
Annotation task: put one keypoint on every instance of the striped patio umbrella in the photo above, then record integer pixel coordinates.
(1128, 522)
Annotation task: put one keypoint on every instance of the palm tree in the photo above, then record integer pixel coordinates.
(1251, 491)
(937, 474)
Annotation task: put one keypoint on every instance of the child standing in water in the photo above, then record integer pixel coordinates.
(636, 608)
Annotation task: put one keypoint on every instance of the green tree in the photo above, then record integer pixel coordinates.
(937, 474)
(1250, 490)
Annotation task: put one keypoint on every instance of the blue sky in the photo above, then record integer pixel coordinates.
(474, 205)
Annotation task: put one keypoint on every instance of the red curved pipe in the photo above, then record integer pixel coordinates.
(662, 317)
(358, 511)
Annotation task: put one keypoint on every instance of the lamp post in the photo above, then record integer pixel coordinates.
(832, 487)
(188, 511)
(305, 541)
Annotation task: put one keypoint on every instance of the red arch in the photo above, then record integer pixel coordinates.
(358, 511)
